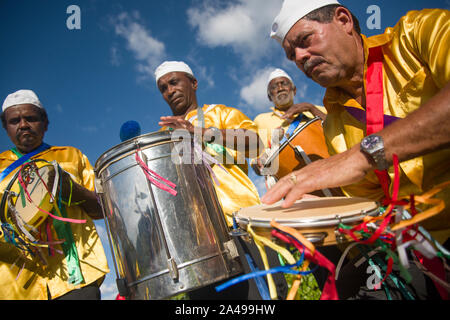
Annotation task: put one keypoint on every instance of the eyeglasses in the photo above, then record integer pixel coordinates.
(283, 83)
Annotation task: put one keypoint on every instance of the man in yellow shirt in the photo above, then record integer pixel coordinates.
(76, 268)
(324, 40)
(234, 136)
(281, 91)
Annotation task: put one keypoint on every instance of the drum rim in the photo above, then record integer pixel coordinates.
(286, 143)
(305, 222)
(128, 147)
(308, 223)
(4, 199)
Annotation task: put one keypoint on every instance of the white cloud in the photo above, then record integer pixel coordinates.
(301, 90)
(255, 93)
(109, 290)
(115, 59)
(148, 51)
(244, 25)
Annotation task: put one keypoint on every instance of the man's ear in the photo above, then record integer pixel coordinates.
(270, 98)
(295, 90)
(194, 84)
(344, 18)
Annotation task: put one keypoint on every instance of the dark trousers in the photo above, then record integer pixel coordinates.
(89, 292)
(246, 290)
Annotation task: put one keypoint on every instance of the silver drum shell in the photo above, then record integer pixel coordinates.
(162, 244)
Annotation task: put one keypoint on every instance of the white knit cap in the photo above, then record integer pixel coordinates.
(277, 73)
(21, 97)
(291, 12)
(172, 66)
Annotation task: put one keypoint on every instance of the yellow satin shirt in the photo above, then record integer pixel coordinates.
(416, 66)
(235, 190)
(266, 122)
(32, 282)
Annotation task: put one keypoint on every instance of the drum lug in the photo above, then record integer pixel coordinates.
(231, 248)
(238, 233)
(340, 238)
(98, 186)
(315, 238)
(122, 287)
(173, 269)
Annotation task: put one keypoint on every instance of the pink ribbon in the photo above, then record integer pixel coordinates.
(22, 183)
(153, 177)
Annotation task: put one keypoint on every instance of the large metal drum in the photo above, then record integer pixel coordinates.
(163, 244)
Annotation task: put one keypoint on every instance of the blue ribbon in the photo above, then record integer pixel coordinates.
(292, 128)
(22, 160)
(280, 269)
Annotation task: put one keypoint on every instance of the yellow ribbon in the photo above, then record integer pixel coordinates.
(260, 243)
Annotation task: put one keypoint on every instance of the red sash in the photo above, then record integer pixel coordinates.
(375, 123)
(374, 106)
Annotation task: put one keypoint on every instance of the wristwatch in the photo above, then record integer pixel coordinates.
(211, 133)
(373, 146)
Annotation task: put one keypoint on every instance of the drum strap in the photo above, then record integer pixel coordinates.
(292, 128)
(22, 159)
(218, 148)
(207, 159)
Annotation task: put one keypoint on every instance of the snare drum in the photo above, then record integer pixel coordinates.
(30, 182)
(163, 243)
(316, 218)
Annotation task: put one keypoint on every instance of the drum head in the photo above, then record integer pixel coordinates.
(35, 176)
(312, 212)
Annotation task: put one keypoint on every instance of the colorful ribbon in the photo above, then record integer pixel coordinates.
(155, 178)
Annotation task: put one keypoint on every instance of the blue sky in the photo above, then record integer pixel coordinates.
(92, 80)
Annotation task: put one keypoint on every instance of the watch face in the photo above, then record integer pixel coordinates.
(370, 141)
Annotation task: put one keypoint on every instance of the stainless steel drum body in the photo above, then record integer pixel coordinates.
(162, 244)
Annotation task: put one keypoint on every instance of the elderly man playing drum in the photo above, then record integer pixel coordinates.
(387, 98)
(66, 259)
(227, 132)
(281, 91)
(288, 117)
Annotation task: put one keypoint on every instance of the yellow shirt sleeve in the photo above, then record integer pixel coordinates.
(427, 32)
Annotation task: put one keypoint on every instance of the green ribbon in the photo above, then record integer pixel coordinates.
(17, 153)
(377, 261)
(64, 231)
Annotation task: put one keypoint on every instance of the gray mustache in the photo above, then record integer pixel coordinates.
(310, 64)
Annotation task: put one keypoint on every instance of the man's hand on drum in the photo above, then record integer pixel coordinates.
(176, 122)
(303, 107)
(81, 196)
(339, 170)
